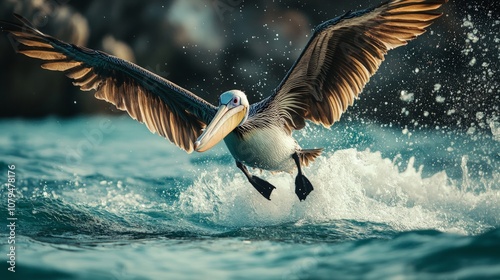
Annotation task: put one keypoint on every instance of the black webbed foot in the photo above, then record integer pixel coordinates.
(302, 187)
(262, 186)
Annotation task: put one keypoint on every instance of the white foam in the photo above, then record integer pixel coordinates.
(349, 184)
(495, 128)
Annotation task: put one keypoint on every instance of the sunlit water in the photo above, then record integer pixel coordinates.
(100, 198)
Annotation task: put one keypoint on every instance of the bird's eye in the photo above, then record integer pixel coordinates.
(235, 100)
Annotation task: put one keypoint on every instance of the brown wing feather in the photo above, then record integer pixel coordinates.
(307, 156)
(162, 106)
(341, 57)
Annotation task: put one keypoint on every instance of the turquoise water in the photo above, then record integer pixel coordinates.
(102, 198)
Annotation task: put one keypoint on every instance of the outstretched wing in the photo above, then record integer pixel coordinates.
(164, 107)
(340, 58)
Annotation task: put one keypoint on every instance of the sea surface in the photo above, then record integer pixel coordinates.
(103, 198)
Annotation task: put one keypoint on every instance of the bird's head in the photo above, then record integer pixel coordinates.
(233, 112)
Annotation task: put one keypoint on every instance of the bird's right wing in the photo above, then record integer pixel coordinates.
(164, 107)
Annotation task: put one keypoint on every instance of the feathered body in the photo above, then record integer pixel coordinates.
(335, 65)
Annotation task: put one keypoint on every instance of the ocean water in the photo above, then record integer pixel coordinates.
(103, 198)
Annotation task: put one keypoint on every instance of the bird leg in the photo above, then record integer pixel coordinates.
(302, 185)
(262, 186)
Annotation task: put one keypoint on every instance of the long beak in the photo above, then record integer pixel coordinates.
(225, 121)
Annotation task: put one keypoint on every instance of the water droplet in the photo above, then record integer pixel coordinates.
(437, 87)
(406, 96)
(440, 99)
(472, 61)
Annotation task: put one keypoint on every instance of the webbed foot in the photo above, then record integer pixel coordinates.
(262, 186)
(302, 187)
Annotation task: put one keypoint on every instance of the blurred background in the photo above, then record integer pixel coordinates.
(448, 77)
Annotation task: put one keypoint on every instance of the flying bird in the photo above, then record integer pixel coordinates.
(332, 70)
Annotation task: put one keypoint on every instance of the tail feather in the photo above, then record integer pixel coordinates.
(307, 156)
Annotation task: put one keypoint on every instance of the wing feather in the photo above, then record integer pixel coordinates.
(340, 58)
(164, 107)
(60, 65)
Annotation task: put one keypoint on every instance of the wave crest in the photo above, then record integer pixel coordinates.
(349, 185)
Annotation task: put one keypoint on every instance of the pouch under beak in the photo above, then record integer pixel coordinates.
(225, 121)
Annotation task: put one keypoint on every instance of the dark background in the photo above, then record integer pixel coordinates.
(448, 77)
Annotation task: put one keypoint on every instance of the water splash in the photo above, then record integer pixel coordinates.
(349, 185)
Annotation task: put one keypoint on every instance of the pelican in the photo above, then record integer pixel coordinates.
(333, 68)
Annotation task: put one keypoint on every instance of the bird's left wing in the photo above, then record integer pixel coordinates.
(340, 58)
(164, 107)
